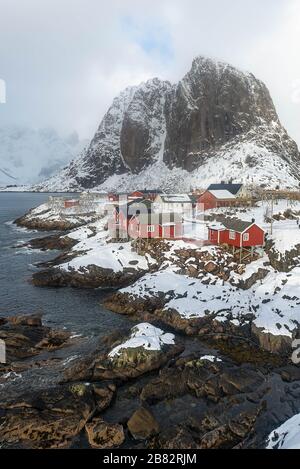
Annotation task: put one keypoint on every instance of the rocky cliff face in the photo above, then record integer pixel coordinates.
(211, 106)
(215, 115)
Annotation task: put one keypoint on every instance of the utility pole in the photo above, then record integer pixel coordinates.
(272, 211)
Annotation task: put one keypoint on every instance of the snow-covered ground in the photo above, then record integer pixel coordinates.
(49, 212)
(93, 249)
(114, 256)
(286, 232)
(275, 301)
(287, 436)
(146, 336)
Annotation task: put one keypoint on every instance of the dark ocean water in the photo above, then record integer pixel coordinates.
(78, 310)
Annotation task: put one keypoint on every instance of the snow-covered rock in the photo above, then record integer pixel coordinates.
(287, 436)
(146, 336)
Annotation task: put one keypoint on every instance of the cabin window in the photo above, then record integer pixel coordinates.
(150, 228)
(246, 237)
(231, 234)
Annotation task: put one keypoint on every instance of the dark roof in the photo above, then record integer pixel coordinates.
(233, 188)
(150, 191)
(139, 201)
(132, 207)
(234, 224)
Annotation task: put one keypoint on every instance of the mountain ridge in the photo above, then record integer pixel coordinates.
(216, 121)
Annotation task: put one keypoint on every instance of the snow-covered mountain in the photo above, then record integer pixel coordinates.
(216, 123)
(28, 156)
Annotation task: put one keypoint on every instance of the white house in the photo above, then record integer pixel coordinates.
(176, 203)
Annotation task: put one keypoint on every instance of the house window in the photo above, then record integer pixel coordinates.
(150, 228)
(231, 234)
(246, 237)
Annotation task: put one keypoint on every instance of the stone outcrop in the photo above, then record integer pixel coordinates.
(26, 337)
(283, 262)
(51, 418)
(92, 276)
(142, 424)
(49, 223)
(130, 363)
(103, 435)
(52, 242)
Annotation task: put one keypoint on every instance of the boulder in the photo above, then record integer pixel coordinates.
(142, 424)
(26, 320)
(103, 435)
(211, 267)
(129, 361)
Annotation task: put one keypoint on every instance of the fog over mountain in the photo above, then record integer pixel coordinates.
(28, 156)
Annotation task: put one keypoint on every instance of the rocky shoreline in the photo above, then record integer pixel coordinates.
(92, 277)
(45, 220)
(26, 337)
(206, 328)
(179, 395)
(169, 382)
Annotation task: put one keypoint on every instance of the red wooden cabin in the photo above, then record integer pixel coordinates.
(237, 233)
(71, 203)
(136, 219)
(145, 194)
(156, 226)
(214, 199)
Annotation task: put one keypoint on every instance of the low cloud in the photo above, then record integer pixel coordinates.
(64, 61)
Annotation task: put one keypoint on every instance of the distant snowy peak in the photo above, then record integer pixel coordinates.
(28, 155)
(216, 120)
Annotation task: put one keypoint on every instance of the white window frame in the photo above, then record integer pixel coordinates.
(246, 237)
(150, 229)
(232, 235)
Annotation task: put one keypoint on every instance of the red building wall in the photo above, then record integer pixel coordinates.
(71, 203)
(209, 201)
(137, 230)
(256, 237)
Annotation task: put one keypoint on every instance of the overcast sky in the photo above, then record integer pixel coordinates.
(64, 60)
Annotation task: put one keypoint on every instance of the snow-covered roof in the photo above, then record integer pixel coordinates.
(222, 194)
(176, 198)
(217, 226)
